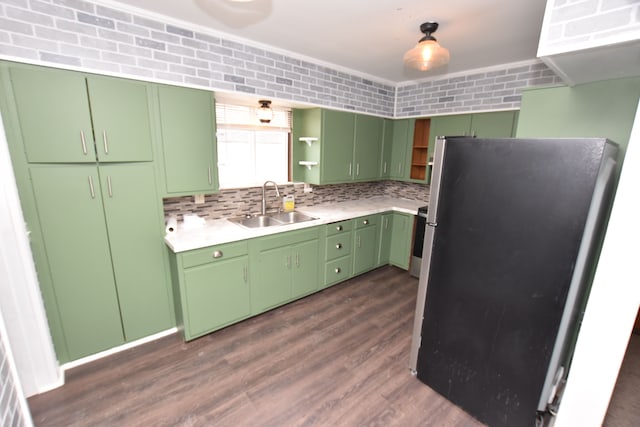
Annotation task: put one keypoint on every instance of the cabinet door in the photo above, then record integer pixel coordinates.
(337, 146)
(272, 269)
(402, 135)
(493, 125)
(305, 267)
(368, 144)
(188, 140)
(457, 125)
(134, 221)
(53, 108)
(120, 114)
(387, 143)
(75, 237)
(386, 224)
(365, 255)
(216, 295)
(401, 239)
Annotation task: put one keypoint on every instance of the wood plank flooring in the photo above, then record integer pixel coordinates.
(336, 358)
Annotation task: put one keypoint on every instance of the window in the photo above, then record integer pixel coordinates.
(250, 153)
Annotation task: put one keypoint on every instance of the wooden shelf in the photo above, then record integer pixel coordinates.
(420, 150)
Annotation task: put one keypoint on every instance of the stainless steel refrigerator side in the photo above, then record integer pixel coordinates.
(438, 159)
(597, 210)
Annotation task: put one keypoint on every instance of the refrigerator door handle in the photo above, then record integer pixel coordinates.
(436, 176)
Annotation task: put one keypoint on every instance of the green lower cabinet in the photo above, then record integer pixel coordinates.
(401, 239)
(104, 261)
(365, 244)
(384, 231)
(214, 288)
(338, 252)
(284, 266)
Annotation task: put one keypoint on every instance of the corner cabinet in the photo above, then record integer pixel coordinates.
(188, 132)
(347, 146)
(213, 288)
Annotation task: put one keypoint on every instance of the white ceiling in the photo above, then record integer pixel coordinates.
(370, 36)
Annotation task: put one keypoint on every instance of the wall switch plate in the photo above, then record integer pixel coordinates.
(198, 199)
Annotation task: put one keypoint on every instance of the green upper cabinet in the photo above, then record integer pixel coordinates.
(368, 147)
(387, 144)
(500, 124)
(187, 121)
(456, 125)
(60, 111)
(338, 130)
(401, 149)
(120, 113)
(341, 146)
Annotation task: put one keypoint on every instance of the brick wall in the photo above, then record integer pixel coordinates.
(495, 89)
(84, 35)
(577, 24)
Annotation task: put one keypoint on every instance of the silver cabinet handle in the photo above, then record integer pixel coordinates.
(384, 167)
(106, 142)
(288, 262)
(399, 167)
(245, 272)
(349, 168)
(338, 270)
(84, 143)
(217, 254)
(339, 228)
(365, 222)
(358, 241)
(297, 260)
(357, 169)
(93, 194)
(109, 186)
(386, 223)
(209, 174)
(339, 246)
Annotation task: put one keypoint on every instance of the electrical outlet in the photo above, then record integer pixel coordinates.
(198, 199)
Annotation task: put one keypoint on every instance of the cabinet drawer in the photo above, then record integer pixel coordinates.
(366, 221)
(214, 253)
(341, 227)
(338, 246)
(337, 271)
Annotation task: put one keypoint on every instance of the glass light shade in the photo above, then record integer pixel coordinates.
(265, 114)
(426, 55)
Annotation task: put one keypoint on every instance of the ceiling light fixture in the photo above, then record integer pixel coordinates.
(428, 53)
(265, 114)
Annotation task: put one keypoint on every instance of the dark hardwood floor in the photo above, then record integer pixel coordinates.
(336, 358)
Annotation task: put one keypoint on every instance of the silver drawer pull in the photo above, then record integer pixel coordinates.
(338, 270)
(365, 222)
(339, 246)
(339, 228)
(84, 143)
(217, 254)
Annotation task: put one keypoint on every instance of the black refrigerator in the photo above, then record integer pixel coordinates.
(513, 231)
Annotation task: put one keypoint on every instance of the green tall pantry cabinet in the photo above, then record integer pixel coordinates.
(82, 152)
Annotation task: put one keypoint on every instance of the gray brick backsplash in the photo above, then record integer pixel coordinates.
(238, 202)
(96, 20)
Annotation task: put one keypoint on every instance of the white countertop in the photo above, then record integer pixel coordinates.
(215, 232)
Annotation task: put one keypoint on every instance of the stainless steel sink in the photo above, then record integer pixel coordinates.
(271, 220)
(292, 217)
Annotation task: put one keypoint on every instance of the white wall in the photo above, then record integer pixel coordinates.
(612, 306)
(21, 305)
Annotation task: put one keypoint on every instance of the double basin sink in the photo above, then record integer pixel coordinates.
(271, 220)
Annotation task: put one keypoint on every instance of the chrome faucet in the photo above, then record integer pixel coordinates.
(264, 200)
